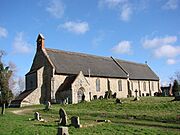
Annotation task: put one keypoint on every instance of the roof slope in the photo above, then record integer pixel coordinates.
(138, 71)
(72, 63)
(22, 96)
(66, 85)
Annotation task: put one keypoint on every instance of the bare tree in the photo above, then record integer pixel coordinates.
(2, 53)
(21, 84)
(176, 76)
(13, 78)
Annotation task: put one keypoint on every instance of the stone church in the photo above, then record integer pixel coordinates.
(60, 76)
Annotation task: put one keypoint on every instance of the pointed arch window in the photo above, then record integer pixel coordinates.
(120, 85)
(144, 86)
(97, 84)
(152, 86)
(132, 85)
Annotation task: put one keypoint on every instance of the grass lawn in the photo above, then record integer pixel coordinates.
(150, 115)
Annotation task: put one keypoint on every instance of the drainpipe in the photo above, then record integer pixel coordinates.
(120, 66)
(127, 74)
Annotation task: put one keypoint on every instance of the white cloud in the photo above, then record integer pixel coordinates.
(163, 48)
(110, 3)
(123, 47)
(168, 51)
(20, 45)
(123, 7)
(157, 42)
(126, 12)
(75, 27)
(56, 8)
(171, 61)
(164, 83)
(98, 39)
(171, 5)
(3, 32)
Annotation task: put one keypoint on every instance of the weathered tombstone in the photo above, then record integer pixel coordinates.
(62, 131)
(108, 94)
(62, 117)
(37, 116)
(118, 101)
(48, 105)
(136, 97)
(95, 97)
(67, 100)
(3, 109)
(101, 97)
(75, 122)
(114, 95)
(107, 121)
(177, 96)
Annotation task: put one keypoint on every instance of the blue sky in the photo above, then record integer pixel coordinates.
(133, 30)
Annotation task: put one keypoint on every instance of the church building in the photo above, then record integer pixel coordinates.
(60, 76)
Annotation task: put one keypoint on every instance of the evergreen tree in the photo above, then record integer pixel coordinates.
(176, 87)
(6, 93)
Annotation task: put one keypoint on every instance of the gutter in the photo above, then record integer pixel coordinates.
(120, 66)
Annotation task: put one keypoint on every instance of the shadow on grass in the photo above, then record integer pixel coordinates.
(148, 124)
(46, 125)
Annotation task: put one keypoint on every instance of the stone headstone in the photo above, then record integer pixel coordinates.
(177, 96)
(37, 116)
(62, 131)
(136, 96)
(95, 97)
(67, 100)
(101, 97)
(136, 99)
(48, 105)
(107, 121)
(62, 117)
(75, 122)
(118, 101)
(114, 95)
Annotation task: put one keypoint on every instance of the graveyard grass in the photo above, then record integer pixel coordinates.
(150, 115)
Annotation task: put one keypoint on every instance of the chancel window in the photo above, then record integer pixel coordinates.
(152, 86)
(98, 84)
(120, 85)
(144, 85)
(131, 85)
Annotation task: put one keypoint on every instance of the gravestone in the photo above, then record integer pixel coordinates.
(100, 97)
(48, 105)
(118, 101)
(114, 95)
(177, 96)
(136, 96)
(62, 131)
(62, 117)
(107, 121)
(75, 122)
(37, 116)
(95, 97)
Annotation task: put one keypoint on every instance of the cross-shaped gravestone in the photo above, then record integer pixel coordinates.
(136, 92)
(136, 96)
